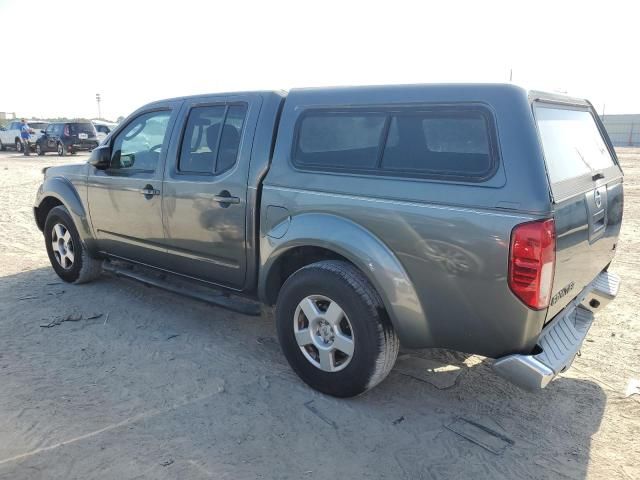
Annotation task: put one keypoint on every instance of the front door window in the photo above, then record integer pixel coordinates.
(139, 146)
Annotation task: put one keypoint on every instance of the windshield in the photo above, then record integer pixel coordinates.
(572, 143)
(38, 125)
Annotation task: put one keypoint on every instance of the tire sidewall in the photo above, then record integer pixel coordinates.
(18, 146)
(61, 149)
(355, 377)
(39, 149)
(61, 215)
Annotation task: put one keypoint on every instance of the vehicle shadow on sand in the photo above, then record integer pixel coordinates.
(439, 414)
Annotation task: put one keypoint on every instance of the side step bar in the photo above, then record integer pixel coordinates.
(561, 340)
(182, 287)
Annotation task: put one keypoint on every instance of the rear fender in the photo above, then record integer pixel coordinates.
(366, 252)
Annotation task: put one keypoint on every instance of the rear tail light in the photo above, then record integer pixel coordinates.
(66, 130)
(532, 259)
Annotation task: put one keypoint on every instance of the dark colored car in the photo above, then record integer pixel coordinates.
(478, 218)
(67, 138)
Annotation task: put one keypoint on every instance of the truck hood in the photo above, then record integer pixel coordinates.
(77, 169)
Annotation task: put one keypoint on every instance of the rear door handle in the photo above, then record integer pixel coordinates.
(225, 198)
(148, 191)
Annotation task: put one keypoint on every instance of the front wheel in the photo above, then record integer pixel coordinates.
(334, 330)
(67, 254)
(18, 145)
(39, 150)
(62, 151)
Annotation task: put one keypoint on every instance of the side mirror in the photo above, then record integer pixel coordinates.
(42, 131)
(100, 157)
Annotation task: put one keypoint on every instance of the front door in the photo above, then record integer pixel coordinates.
(205, 189)
(125, 200)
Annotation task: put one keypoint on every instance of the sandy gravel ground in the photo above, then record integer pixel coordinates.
(158, 386)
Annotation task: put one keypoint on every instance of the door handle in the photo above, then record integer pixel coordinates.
(225, 199)
(148, 191)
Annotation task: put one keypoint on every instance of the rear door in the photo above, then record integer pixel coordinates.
(53, 135)
(205, 189)
(586, 187)
(82, 134)
(125, 200)
(46, 137)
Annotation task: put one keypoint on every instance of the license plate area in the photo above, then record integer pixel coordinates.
(83, 136)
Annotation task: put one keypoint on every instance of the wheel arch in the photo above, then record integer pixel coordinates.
(58, 191)
(313, 237)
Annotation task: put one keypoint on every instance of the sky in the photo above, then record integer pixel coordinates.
(135, 51)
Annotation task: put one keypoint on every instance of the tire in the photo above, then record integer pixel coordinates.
(2, 147)
(374, 344)
(39, 150)
(18, 145)
(62, 151)
(82, 268)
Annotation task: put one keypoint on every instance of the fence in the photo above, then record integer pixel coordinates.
(624, 130)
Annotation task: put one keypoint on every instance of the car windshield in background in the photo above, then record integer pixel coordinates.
(76, 128)
(572, 143)
(38, 125)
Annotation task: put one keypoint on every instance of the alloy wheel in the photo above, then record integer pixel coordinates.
(323, 333)
(62, 245)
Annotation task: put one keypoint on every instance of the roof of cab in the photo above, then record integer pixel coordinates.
(426, 92)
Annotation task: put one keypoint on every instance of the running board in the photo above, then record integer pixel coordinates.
(183, 287)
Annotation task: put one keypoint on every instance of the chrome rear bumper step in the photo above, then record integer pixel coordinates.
(561, 340)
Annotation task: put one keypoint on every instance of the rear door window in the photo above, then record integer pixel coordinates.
(206, 147)
(572, 143)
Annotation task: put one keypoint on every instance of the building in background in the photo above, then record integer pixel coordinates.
(624, 130)
(7, 115)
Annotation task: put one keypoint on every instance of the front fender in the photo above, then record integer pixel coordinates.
(364, 250)
(66, 193)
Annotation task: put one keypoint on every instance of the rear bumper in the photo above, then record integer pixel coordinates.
(82, 146)
(561, 340)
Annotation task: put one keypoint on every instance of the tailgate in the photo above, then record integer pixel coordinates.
(586, 187)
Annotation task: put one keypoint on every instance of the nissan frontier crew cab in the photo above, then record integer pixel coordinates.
(479, 218)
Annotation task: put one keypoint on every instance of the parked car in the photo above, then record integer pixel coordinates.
(67, 138)
(103, 129)
(479, 218)
(10, 134)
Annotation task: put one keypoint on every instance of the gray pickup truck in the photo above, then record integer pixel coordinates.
(479, 218)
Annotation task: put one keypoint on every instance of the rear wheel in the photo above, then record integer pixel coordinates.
(62, 151)
(67, 254)
(333, 329)
(18, 145)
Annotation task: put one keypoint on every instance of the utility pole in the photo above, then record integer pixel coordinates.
(511, 75)
(98, 102)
